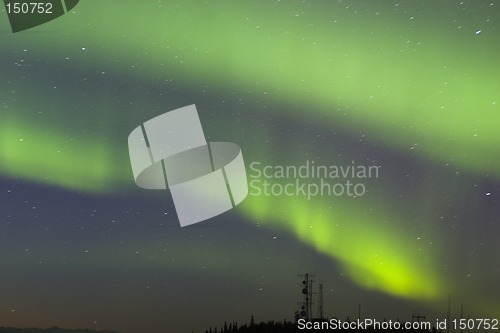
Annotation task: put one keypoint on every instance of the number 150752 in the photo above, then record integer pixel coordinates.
(29, 8)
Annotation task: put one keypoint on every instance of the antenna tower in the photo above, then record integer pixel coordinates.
(306, 304)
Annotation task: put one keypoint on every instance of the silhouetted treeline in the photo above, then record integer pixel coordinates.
(271, 326)
(289, 326)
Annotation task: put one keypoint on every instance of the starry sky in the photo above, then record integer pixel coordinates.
(410, 86)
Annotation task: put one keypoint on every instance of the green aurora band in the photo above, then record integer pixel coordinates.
(51, 158)
(407, 82)
(373, 256)
(404, 77)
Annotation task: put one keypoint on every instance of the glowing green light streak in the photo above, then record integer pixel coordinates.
(405, 81)
(408, 84)
(393, 77)
(54, 158)
(373, 255)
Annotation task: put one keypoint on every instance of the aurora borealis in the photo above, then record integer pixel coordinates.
(411, 86)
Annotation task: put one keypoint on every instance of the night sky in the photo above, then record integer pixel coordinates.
(410, 86)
